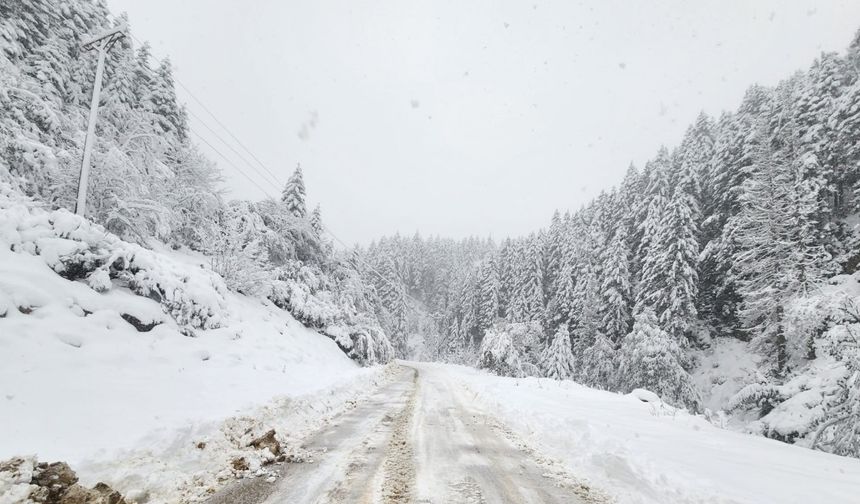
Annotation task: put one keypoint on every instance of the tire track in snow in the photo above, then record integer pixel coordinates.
(399, 467)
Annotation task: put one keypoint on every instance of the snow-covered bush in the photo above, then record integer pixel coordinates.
(651, 359)
(335, 304)
(839, 431)
(791, 411)
(512, 349)
(499, 354)
(817, 403)
(237, 249)
(365, 343)
(315, 309)
(78, 249)
(764, 396)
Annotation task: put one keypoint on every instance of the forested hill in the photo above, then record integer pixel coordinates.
(728, 237)
(148, 181)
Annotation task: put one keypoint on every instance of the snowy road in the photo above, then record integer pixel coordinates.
(418, 439)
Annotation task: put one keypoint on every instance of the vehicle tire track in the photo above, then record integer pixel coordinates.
(398, 482)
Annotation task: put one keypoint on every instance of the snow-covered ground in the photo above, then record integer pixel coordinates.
(641, 452)
(78, 383)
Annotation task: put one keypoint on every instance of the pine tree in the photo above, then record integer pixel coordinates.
(651, 229)
(651, 253)
(144, 78)
(677, 297)
(507, 278)
(586, 320)
(394, 304)
(488, 303)
(600, 363)
(693, 163)
(316, 221)
(652, 359)
(171, 117)
(780, 256)
(293, 195)
(527, 302)
(557, 361)
(560, 309)
(532, 287)
(615, 291)
(553, 251)
(846, 120)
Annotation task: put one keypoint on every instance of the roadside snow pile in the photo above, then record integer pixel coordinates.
(649, 452)
(206, 456)
(98, 367)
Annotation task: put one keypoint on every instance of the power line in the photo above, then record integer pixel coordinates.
(210, 129)
(217, 121)
(400, 288)
(272, 180)
(199, 137)
(226, 129)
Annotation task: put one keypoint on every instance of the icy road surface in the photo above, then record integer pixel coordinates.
(419, 439)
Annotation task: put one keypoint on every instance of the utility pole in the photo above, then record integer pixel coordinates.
(103, 43)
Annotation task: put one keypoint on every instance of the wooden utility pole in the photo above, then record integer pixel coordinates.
(103, 43)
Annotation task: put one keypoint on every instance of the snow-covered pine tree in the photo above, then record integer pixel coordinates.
(526, 303)
(507, 278)
(813, 106)
(650, 358)
(391, 295)
(693, 160)
(652, 246)
(677, 297)
(316, 221)
(557, 360)
(171, 117)
(293, 195)
(466, 306)
(599, 362)
(717, 299)
(560, 308)
(615, 290)
(779, 256)
(488, 297)
(532, 287)
(846, 118)
(143, 80)
(553, 251)
(586, 320)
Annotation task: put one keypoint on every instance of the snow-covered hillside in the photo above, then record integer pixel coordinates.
(124, 372)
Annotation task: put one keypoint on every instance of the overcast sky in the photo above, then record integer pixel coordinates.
(463, 118)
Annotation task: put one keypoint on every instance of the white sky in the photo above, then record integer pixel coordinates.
(477, 117)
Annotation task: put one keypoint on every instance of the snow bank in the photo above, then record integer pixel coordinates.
(121, 360)
(646, 452)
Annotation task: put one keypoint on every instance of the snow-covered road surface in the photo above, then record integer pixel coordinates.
(463, 455)
(419, 439)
